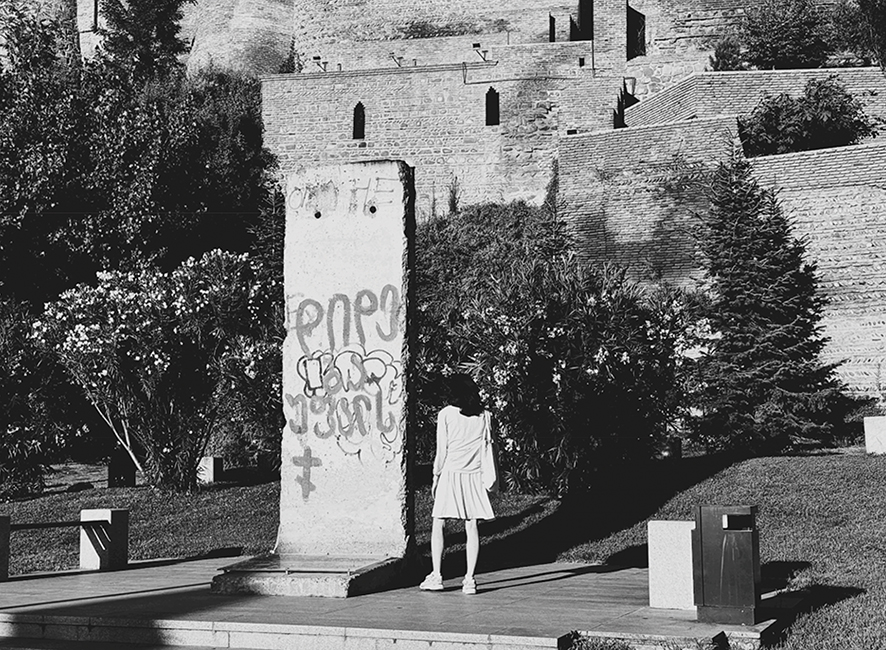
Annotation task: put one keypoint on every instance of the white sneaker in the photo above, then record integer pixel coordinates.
(434, 582)
(469, 586)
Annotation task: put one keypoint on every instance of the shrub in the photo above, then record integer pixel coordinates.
(785, 35)
(576, 364)
(848, 31)
(42, 418)
(149, 350)
(825, 116)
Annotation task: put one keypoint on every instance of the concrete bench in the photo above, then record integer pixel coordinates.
(104, 538)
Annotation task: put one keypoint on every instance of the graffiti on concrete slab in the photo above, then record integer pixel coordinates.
(344, 390)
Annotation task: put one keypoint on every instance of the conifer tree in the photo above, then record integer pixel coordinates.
(142, 36)
(763, 385)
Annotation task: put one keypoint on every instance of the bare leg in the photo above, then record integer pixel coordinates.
(437, 543)
(473, 546)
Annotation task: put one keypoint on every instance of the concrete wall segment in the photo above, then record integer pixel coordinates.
(343, 488)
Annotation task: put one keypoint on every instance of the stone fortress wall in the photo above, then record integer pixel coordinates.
(255, 34)
(622, 194)
(412, 70)
(435, 118)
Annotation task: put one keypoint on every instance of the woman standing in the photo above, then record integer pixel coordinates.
(462, 430)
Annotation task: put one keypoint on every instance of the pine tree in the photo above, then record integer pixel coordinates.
(763, 385)
(142, 36)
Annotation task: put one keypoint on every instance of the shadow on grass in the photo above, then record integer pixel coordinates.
(624, 497)
(790, 606)
(216, 553)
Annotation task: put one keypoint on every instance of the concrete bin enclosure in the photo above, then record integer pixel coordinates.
(711, 564)
(875, 434)
(670, 564)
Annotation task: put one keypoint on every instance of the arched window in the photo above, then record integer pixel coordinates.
(359, 121)
(492, 113)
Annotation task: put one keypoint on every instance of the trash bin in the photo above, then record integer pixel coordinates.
(726, 564)
(121, 469)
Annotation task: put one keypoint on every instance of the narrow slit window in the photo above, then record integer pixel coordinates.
(636, 33)
(492, 108)
(359, 121)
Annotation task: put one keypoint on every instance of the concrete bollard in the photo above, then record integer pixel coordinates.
(4, 547)
(210, 470)
(104, 547)
(875, 434)
(670, 564)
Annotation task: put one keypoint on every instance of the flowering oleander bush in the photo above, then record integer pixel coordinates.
(581, 368)
(155, 354)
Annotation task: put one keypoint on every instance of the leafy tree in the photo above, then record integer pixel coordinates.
(143, 37)
(40, 137)
(727, 54)
(848, 31)
(785, 35)
(763, 385)
(825, 116)
(177, 165)
(100, 172)
(874, 15)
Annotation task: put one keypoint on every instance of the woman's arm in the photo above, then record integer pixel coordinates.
(442, 439)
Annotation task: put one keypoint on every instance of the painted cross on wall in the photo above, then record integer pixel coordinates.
(306, 462)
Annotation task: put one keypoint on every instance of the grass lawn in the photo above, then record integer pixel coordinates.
(822, 527)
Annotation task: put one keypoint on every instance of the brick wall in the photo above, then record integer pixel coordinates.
(434, 118)
(622, 195)
(652, 74)
(837, 199)
(717, 93)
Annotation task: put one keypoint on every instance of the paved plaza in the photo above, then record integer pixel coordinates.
(168, 604)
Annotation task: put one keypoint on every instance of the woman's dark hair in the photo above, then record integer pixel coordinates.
(464, 393)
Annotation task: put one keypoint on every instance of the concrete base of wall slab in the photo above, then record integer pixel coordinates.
(293, 575)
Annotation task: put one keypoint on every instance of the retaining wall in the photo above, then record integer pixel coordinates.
(623, 196)
(708, 94)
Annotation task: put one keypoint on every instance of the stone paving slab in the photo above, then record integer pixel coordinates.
(168, 604)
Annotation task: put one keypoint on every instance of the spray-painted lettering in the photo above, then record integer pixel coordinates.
(340, 313)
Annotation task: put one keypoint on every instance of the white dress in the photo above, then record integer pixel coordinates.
(460, 493)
